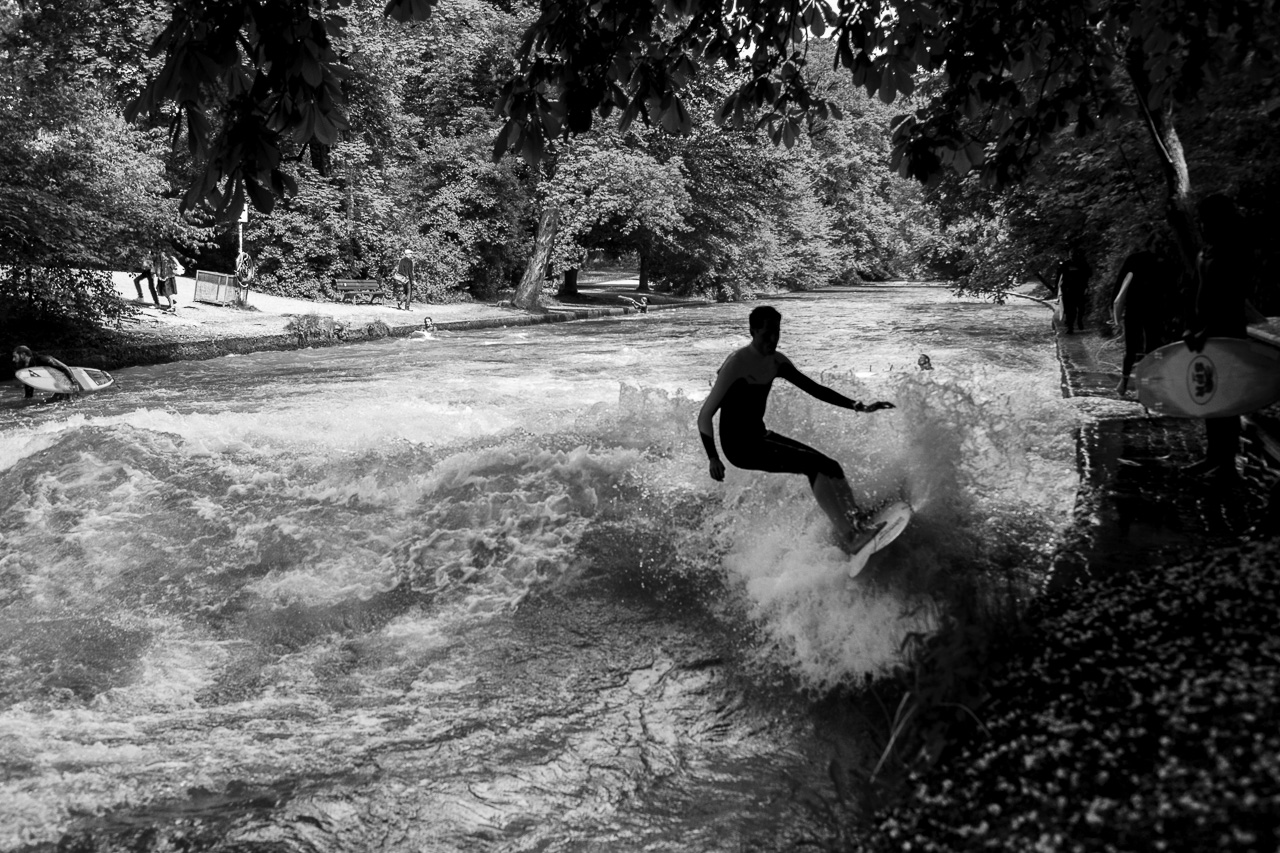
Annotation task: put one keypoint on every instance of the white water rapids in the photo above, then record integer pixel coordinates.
(476, 591)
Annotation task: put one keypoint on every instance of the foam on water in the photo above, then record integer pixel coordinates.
(959, 453)
(257, 586)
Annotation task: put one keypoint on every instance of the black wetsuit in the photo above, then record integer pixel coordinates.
(1073, 284)
(1225, 276)
(748, 444)
(1145, 323)
(38, 360)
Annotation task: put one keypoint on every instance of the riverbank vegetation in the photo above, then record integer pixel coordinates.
(716, 182)
(1129, 712)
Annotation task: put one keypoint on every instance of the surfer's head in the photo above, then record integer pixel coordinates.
(765, 324)
(21, 355)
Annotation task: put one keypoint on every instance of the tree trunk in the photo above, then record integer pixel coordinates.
(1173, 164)
(569, 287)
(529, 293)
(644, 273)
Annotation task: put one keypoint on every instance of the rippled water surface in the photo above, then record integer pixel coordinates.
(475, 591)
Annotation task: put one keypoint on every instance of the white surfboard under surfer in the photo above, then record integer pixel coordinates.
(741, 393)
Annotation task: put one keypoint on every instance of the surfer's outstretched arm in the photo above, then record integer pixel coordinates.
(792, 374)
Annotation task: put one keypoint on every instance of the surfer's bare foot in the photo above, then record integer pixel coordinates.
(858, 539)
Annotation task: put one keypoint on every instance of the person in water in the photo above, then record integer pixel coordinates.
(641, 305)
(24, 357)
(741, 393)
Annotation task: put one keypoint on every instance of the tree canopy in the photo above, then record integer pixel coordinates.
(1007, 75)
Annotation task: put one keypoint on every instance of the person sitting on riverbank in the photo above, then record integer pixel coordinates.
(24, 357)
(741, 393)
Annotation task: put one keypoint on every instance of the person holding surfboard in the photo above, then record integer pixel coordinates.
(1222, 309)
(24, 357)
(741, 393)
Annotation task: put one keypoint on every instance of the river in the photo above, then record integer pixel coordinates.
(475, 591)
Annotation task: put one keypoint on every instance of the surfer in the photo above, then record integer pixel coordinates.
(1137, 308)
(24, 357)
(741, 393)
(1222, 309)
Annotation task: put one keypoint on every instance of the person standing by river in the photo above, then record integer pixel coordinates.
(1141, 289)
(1073, 287)
(1225, 274)
(741, 394)
(403, 278)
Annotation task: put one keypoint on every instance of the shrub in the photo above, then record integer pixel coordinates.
(58, 307)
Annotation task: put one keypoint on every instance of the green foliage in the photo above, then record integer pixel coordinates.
(303, 245)
(410, 174)
(1108, 191)
(77, 185)
(471, 218)
(268, 72)
(1133, 717)
(79, 189)
(56, 306)
(616, 199)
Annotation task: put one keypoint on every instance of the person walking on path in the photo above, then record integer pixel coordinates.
(1073, 287)
(169, 270)
(741, 393)
(403, 278)
(148, 272)
(1142, 288)
(1225, 273)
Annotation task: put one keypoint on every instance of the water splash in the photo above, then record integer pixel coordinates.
(503, 612)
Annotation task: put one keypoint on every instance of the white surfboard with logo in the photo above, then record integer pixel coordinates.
(1230, 376)
(888, 524)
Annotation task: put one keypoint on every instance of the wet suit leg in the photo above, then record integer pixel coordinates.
(780, 454)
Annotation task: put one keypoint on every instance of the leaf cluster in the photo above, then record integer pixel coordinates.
(1135, 715)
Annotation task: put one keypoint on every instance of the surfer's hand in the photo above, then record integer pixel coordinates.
(1194, 340)
(717, 470)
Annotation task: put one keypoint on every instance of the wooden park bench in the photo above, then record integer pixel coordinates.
(350, 288)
